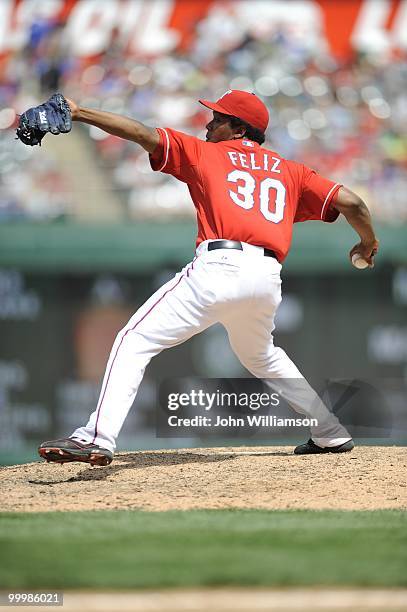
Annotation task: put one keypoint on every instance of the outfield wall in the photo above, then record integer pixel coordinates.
(146, 246)
(67, 290)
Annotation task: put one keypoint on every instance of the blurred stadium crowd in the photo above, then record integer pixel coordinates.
(348, 121)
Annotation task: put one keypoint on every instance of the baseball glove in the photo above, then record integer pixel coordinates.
(53, 116)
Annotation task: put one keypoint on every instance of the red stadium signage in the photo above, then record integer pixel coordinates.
(153, 27)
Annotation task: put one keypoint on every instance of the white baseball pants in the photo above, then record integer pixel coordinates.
(239, 289)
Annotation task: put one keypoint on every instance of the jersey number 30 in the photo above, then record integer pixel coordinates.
(244, 196)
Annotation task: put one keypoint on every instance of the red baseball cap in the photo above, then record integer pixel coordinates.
(242, 104)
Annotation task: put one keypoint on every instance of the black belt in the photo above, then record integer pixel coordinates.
(235, 244)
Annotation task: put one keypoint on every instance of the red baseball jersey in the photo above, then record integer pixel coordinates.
(242, 191)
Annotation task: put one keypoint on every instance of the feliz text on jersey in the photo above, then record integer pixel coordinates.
(255, 161)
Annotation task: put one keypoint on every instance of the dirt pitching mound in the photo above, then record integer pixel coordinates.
(273, 478)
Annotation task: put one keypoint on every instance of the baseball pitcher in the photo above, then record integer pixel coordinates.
(247, 199)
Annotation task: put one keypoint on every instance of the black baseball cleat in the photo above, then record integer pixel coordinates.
(67, 450)
(310, 448)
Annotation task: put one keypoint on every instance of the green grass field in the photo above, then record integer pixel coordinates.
(134, 549)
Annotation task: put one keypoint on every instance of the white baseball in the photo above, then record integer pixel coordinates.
(359, 262)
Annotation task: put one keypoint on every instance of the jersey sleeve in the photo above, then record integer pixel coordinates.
(317, 198)
(177, 154)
